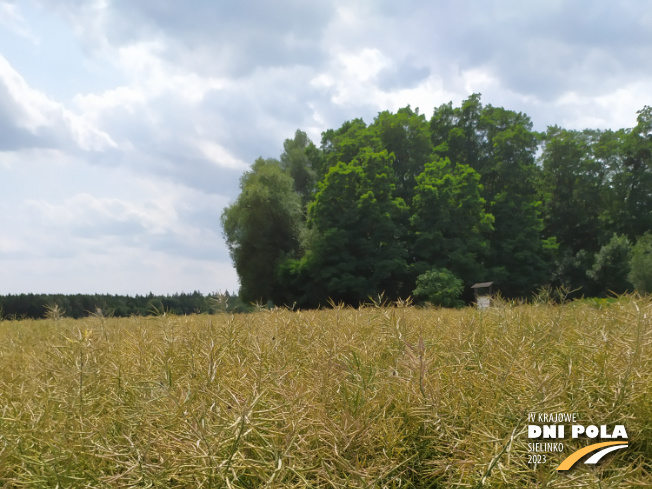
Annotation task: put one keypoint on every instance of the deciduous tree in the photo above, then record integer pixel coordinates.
(450, 227)
(262, 228)
(358, 247)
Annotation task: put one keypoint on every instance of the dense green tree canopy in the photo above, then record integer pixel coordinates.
(472, 194)
(500, 145)
(357, 247)
(611, 267)
(450, 227)
(573, 186)
(262, 227)
(300, 160)
(406, 136)
(640, 275)
(633, 180)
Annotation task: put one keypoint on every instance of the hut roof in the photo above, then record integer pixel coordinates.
(482, 285)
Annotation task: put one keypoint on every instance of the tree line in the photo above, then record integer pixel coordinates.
(410, 206)
(21, 306)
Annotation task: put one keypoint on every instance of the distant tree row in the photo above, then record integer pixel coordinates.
(35, 306)
(408, 206)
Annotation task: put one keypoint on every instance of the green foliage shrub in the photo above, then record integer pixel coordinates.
(440, 287)
(641, 264)
(611, 267)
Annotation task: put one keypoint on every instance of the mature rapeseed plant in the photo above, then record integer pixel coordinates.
(370, 397)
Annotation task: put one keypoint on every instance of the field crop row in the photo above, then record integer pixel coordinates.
(371, 397)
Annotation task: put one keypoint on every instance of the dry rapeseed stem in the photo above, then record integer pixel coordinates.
(371, 397)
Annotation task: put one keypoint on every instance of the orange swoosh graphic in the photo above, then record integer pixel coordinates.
(575, 456)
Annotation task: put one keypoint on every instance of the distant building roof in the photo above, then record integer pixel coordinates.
(482, 285)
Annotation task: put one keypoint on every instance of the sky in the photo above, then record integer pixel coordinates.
(125, 125)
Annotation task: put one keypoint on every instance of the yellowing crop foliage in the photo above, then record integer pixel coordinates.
(383, 397)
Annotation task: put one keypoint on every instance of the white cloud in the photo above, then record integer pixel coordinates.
(31, 107)
(34, 111)
(11, 18)
(151, 236)
(10, 245)
(350, 78)
(128, 177)
(614, 109)
(123, 271)
(85, 213)
(93, 105)
(220, 156)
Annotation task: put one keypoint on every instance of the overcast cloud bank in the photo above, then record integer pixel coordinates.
(125, 126)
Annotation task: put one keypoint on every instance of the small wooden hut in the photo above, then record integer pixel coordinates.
(482, 292)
